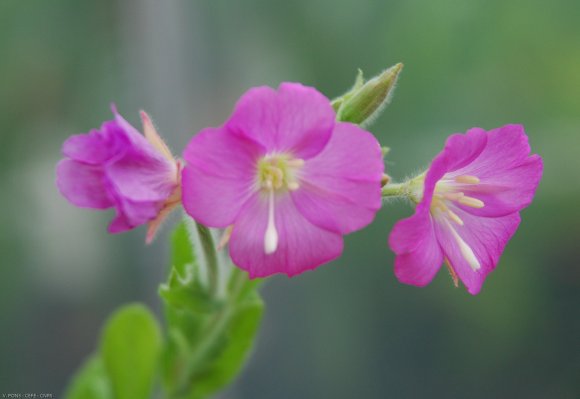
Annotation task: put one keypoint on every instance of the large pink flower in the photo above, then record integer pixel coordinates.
(288, 177)
(468, 207)
(117, 167)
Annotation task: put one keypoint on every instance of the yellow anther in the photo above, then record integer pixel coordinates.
(295, 162)
(452, 196)
(453, 216)
(278, 172)
(471, 202)
(277, 177)
(467, 179)
(293, 186)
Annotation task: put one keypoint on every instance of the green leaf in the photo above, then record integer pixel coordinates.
(90, 382)
(230, 349)
(219, 350)
(184, 291)
(130, 347)
(182, 253)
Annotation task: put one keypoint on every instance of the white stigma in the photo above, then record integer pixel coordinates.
(465, 250)
(271, 235)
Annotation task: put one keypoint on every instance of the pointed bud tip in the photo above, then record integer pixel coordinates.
(364, 103)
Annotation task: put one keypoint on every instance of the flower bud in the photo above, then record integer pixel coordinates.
(365, 101)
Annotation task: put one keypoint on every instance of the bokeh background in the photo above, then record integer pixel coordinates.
(348, 329)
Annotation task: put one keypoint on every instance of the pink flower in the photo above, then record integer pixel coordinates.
(468, 207)
(117, 167)
(288, 177)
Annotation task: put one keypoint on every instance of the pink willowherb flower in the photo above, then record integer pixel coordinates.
(117, 167)
(468, 207)
(286, 177)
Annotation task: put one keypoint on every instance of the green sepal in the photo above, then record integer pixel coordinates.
(358, 83)
(364, 102)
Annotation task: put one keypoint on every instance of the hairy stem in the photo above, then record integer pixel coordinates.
(202, 239)
(213, 330)
(395, 190)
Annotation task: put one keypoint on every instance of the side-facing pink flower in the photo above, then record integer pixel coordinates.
(288, 178)
(468, 207)
(117, 167)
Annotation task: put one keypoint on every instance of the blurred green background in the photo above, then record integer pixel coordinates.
(349, 329)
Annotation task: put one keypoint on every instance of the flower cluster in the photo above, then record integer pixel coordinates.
(286, 179)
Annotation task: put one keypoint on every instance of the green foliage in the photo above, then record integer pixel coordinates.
(209, 338)
(185, 291)
(130, 348)
(181, 249)
(228, 350)
(91, 381)
(125, 365)
(210, 332)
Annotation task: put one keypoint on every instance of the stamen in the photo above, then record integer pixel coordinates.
(295, 162)
(439, 205)
(271, 235)
(453, 196)
(471, 202)
(293, 186)
(467, 179)
(465, 250)
(278, 178)
(454, 217)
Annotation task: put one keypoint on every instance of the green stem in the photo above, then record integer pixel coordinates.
(209, 251)
(395, 190)
(213, 330)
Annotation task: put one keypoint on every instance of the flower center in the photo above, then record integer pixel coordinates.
(277, 173)
(448, 193)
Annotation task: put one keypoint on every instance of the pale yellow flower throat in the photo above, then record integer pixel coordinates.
(447, 192)
(277, 173)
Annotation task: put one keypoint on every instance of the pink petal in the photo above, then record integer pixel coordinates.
(486, 237)
(131, 214)
(459, 150)
(462, 149)
(138, 177)
(508, 174)
(83, 185)
(93, 148)
(340, 188)
(419, 256)
(302, 246)
(295, 118)
(219, 176)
